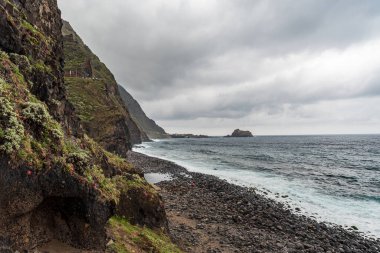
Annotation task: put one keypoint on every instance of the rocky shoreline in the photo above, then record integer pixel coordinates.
(207, 214)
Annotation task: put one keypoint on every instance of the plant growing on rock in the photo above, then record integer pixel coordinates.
(107, 185)
(36, 113)
(130, 237)
(12, 131)
(39, 119)
(44, 163)
(80, 160)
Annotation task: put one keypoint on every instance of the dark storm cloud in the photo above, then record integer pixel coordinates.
(234, 59)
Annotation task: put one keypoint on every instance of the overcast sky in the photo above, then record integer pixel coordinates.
(272, 67)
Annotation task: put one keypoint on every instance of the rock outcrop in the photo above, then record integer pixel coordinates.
(42, 48)
(148, 125)
(93, 91)
(241, 133)
(55, 181)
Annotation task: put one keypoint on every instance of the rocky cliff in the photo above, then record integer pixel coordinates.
(138, 115)
(93, 91)
(55, 181)
(240, 133)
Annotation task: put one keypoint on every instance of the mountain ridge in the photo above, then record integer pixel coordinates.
(148, 125)
(92, 89)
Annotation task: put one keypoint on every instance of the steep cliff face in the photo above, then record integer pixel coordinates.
(93, 91)
(138, 115)
(55, 182)
(32, 29)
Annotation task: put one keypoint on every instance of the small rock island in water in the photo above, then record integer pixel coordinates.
(240, 133)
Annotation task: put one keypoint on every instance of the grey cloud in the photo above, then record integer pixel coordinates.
(185, 60)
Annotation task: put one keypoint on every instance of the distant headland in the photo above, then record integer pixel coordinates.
(182, 136)
(236, 133)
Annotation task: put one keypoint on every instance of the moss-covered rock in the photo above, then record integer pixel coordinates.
(11, 130)
(42, 157)
(55, 181)
(131, 238)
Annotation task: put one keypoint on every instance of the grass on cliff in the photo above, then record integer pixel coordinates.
(31, 137)
(130, 238)
(34, 142)
(31, 33)
(76, 55)
(29, 134)
(96, 99)
(98, 108)
(90, 98)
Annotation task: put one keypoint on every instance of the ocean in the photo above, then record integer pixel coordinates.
(333, 179)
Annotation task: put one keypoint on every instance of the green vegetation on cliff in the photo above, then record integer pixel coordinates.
(77, 55)
(93, 105)
(32, 138)
(50, 169)
(30, 135)
(93, 91)
(131, 238)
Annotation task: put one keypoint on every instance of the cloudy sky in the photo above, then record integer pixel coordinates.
(273, 67)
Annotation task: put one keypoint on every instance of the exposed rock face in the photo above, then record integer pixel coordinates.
(43, 46)
(138, 115)
(55, 182)
(241, 133)
(94, 93)
(143, 207)
(37, 208)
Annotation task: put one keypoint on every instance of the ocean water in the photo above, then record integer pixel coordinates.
(332, 178)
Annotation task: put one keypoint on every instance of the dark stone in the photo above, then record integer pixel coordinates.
(36, 210)
(141, 207)
(241, 133)
(241, 217)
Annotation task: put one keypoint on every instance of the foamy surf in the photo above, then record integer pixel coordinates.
(300, 195)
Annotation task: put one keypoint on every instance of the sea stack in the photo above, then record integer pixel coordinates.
(241, 133)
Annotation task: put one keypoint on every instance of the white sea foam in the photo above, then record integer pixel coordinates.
(155, 178)
(362, 214)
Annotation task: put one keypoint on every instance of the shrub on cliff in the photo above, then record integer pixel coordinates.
(39, 118)
(78, 157)
(11, 130)
(36, 113)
